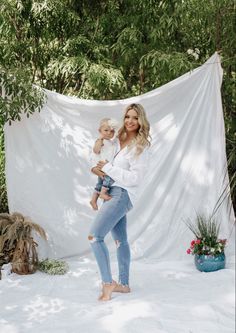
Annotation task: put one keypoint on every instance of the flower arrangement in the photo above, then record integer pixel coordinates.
(53, 266)
(206, 231)
(201, 247)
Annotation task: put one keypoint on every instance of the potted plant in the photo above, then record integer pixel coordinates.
(17, 244)
(207, 248)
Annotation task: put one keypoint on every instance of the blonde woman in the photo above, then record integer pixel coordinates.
(127, 169)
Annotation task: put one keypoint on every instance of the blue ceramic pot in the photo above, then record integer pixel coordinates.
(209, 263)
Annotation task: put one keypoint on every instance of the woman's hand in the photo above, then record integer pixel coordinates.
(98, 172)
(101, 164)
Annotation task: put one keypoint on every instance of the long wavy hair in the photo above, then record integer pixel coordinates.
(143, 138)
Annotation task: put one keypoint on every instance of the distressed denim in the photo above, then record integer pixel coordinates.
(112, 217)
(103, 182)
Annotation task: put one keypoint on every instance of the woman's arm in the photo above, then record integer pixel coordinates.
(97, 172)
(131, 177)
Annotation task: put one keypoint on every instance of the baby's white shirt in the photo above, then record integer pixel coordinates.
(107, 152)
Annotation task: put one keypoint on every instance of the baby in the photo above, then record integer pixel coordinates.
(104, 149)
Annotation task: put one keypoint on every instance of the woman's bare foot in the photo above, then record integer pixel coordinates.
(107, 289)
(94, 204)
(119, 288)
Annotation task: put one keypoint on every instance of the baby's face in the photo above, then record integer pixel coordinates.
(107, 132)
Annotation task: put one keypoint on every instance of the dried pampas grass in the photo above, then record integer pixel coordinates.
(17, 244)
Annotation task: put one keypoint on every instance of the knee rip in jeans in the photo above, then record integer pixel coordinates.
(117, 243)
(92, 239)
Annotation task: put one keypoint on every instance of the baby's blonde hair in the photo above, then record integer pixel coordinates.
(104, 122)
(109, 122)
(142, 138)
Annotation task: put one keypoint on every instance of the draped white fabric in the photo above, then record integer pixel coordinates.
(49, 179)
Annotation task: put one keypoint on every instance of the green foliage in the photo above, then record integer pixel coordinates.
(53, 266)
(111, 50)
(18, 96)
(206, 228)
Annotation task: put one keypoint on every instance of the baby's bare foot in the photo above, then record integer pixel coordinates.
(94, 205)
(119, 288)
(105, 196)
(107, 289)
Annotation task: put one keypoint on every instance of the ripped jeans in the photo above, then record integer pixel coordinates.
(112, 217)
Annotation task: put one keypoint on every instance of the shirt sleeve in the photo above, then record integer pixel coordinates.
(134, 175)
(93, 159)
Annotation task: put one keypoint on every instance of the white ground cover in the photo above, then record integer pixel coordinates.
(166, 297)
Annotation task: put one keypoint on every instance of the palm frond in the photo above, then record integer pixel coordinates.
(17, 244)
(36, 227)
(5, 220)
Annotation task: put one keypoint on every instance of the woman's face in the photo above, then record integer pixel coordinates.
(131, 121)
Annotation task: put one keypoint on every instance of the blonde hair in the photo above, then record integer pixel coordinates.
(104, 122)
(109, 122)
(142, 139)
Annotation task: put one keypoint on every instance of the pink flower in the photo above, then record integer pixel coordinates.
(198, 241)
(193, 242)
(188, 251)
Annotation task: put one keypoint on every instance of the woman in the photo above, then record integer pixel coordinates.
(127, 170)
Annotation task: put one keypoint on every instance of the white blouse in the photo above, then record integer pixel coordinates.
(128, 170)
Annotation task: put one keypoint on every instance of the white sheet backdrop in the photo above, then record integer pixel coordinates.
(48, 176)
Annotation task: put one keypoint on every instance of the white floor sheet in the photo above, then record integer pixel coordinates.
(167, 297)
